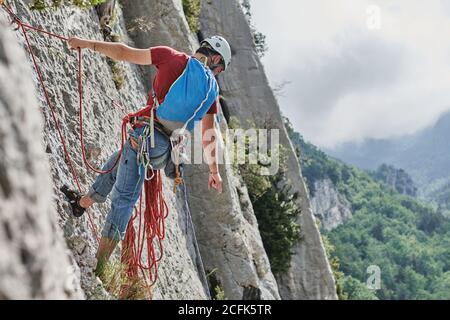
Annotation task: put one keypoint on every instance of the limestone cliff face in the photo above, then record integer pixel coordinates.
(35, 263)
(329, 206)
(248, 95)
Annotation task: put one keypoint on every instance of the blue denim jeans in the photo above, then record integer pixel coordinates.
(124, 184)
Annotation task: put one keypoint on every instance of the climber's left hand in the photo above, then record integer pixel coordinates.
(215, 181)
(75, 43)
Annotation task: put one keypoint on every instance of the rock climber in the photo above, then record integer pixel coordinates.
(125, 182)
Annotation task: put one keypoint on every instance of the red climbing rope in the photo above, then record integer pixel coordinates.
(151, 226)
(83, 149)
(150, 230)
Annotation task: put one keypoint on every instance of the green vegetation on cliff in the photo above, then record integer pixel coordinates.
(274, 205)
(191, 10)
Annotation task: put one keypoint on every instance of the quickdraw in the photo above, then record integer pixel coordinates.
(143, 158)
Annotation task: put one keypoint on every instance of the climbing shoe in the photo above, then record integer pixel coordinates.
(74, 201)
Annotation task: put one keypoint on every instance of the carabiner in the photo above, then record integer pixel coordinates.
(150, 167)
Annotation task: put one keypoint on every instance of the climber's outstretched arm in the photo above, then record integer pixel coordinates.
(210, 146)
(114, 50)
(136, 56)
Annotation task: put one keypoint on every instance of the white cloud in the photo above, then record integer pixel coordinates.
(349, 82)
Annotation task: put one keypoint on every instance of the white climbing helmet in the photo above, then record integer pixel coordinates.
(220, 45)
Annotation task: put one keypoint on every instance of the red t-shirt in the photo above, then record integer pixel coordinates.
(170, 64)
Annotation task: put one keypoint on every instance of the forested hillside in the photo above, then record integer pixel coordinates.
(408, 240)
(424, 155)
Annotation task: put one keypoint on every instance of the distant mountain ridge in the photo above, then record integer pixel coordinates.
(424, 155)
(398, 179)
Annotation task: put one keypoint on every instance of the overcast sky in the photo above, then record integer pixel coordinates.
(354, 75)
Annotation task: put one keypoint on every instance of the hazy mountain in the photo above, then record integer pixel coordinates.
(425, 155)
(398, 179)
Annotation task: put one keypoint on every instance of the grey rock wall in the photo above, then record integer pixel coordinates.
(35, 262)
(248, 96)
(329, 206)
